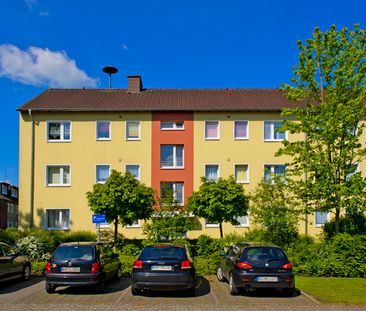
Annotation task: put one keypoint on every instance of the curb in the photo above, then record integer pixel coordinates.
(310, 297)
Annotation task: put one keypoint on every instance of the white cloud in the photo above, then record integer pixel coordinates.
(125, 47)
(38, 66)
(44, 13)
(30, 3)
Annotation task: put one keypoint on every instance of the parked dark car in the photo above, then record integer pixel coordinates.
(82, 264)
(12, 264)
(248, 266)
(163, 267)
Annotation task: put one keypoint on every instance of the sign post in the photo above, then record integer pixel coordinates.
(98, 219)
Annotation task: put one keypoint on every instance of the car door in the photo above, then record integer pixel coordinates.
(109, 261)
(229, 260)
(9, 267)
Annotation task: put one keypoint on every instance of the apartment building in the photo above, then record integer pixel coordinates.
(8, 205)
(70, 139)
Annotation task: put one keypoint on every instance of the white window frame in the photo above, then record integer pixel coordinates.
(57, 228)
(174, 190)
(319, 225)
(136, 224)
(358, 169)
(218, 130)
(109, 131)
(14, 192)
(126, 130)
(138, 177)
(242, 181)
(272, 130)
(62, 131)
(247, 130)
(4, 189)
(174, 126)
(272, 169)
(211, 225)
(96, 173)
(243, 225)
(218, 170)
(61, 166)
(174, 166)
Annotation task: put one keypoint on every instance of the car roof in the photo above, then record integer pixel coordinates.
(165, 245)
(253, 244)
(80, 243)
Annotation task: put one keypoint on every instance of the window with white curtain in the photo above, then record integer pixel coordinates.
(212, 172)
(57, 219)
(212, 130)
(102, 173)
(133, 130)
(58, 175)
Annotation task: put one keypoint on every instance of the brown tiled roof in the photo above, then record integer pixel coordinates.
(159, 100)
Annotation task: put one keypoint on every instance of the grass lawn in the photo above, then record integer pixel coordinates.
(334, 290)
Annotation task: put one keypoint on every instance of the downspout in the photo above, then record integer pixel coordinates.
(31, 188)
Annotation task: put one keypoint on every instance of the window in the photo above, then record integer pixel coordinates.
(352, 169)
(171, 156)
(14, 192)
(320, 218)
(271, 170)
(212, 130)
(240, 129)
(135, 224)
(243, 221)
(177, 125)
(58, 130)
(168, 188)
(271, 131)
(57, 219)
(103, 130)
(212, 172)
(133, 130)
(134, 170)
(4, 189)
(241, 173)
(211, 224)
(102, 173)
(58, 175)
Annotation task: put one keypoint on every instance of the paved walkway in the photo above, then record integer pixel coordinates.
(210, 295)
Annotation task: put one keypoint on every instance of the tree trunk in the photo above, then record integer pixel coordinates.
(336, 220)
(221, 234)
(115, 232)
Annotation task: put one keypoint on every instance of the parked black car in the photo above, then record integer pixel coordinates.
(12, 264)
(250, 266)
(163, 267)
(81, 264)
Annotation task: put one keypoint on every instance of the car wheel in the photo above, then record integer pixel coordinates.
(118, 274)
(26, 272)
(99, 288)
(50, 288)
(220, 275)
(135, 291)
(232, 288)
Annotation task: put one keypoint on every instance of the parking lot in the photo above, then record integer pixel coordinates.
(210, 295)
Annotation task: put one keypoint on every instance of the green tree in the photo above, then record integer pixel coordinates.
(329, 80)
(276, 210)
(123, 199)
(219, 201)
(169, 221)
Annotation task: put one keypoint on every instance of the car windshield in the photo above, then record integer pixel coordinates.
(73, 252)
(256, 254)
(163, 253)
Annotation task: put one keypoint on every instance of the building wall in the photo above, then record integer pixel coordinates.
(84, 152)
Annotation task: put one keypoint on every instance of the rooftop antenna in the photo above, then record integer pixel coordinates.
(110, 70)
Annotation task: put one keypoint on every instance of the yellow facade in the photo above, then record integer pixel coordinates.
(84, 152)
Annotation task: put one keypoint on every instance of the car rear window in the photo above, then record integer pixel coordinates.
(262, 253)
(74, 252)
(163, 253)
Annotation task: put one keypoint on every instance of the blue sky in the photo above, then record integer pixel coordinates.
(170, 43)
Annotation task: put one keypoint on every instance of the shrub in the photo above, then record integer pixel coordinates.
(126, 263)
(38, 267)
(352, 223)
(34, 247)
(10, 235)
(206, 266)
(207, 246)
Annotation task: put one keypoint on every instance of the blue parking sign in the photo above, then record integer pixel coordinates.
(99, 219)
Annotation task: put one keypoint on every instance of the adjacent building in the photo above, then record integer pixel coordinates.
(8, 205)
(70, 139)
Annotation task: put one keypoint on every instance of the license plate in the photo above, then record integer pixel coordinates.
(267, 279)
(70, 269)
(161, 268)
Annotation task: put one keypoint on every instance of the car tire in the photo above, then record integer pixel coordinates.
(232, 288)
(50, 288)
(219, 275)
(118, 274)
(135, 291)
(99, 288)
(26, 272)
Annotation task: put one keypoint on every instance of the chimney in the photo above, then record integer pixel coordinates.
(134, 84)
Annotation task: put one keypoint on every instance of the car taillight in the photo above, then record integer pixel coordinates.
(96, 267)
(243, 265)
(287, 266)
(48, 267)
(137, 264)
(186, 264)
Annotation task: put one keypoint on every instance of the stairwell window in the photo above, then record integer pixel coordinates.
(58, 175)
(271, 132)
(57, 219)
(175, 126)
(172, 188)
(58, 131)
(172, 156)
(133, 131)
